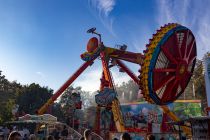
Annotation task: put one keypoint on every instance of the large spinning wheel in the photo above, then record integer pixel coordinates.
(168, 64)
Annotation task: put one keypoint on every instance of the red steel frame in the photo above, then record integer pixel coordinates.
(111, 53)
(136, 58)
(105, 54)
(64, 86)
(106, 76)
(128, 71)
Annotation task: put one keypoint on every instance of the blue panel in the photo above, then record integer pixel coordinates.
(105, 97)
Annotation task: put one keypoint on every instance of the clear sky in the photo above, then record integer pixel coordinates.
(41, 40)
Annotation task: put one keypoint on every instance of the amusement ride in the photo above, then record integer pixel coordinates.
(165, 68)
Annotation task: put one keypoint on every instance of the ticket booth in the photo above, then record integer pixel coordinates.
(200, 128)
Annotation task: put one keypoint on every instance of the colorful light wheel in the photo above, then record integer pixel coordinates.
(168, 64)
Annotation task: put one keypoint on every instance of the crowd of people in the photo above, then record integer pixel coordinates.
(88, 135)
(24, 134)
(64, 135)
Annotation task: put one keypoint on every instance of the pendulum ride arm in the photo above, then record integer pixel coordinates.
(136, 58)
(115, 103)
(43, 109)
(127, 70)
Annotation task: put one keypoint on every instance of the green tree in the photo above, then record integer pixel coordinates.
(68, 105)
(90, 114)
(67, 100)
(7, 98)
(127, 92)
(185, 110)
(56, 110)
(6, 111)
(33, 97)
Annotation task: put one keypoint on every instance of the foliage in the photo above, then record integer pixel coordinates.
(67, 102)
(28, 97)
(185, 110)
(8, 93)
(127, 92)
(6, 111)
(56, 110)
(32, 97)
(88, 99)
(90, 114)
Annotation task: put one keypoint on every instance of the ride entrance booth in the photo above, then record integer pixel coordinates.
(200, 127)
(40, 125)
(44, 124)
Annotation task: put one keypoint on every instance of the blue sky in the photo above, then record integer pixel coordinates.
(41, 40)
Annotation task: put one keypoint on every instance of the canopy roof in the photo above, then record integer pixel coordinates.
(46, 119)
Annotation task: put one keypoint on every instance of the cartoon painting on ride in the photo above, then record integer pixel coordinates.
(186, 109)
(137, 116)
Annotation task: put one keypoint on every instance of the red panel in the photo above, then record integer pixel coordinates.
(158, 84)
(185, 79)
(128, 71)
(165, 70)
(170, 91)
(169, 55)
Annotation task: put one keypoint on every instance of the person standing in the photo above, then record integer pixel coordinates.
(50, 137)
(14, 135)
(56, 134)
(25, 137)
(64, 132)
(82, 138)
(87, 134)
(6, 132)
(150, 137)
(26, 132)
(32, 137)
(1, 136)
(125, 136)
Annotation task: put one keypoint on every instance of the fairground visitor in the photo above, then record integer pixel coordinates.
(14, 135)
(87, 134)
(125, 136)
